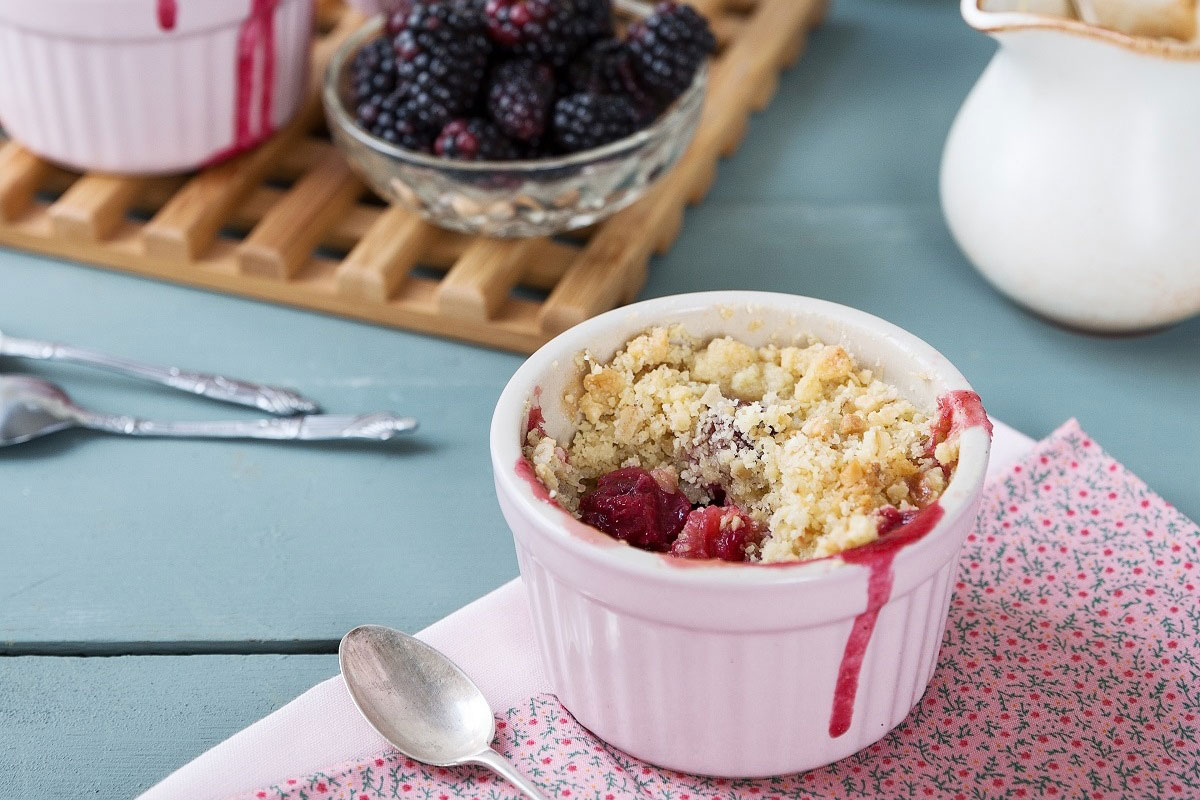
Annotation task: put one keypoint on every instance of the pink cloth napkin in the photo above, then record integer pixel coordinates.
(1070, 668)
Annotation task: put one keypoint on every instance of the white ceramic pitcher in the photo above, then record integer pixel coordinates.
(1071, 177)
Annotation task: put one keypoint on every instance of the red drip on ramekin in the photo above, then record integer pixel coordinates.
(255, 45)
(957, 411)
(536, 420)
(877, 557)
(168, 13)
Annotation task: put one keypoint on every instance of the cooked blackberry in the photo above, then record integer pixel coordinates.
(669, 46)
(474, 140)
(543, 30)
(606, 67)
(586, 120)
(628, 504)
(441, 54)
(519, 98)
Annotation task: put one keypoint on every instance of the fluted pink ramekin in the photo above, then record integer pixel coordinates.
(150, 86)
(732, 669)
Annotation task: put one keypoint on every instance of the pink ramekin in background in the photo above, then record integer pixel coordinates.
(150, 86)
(724, 669)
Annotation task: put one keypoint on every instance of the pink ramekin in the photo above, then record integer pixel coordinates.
(150, 86)
(726, 669)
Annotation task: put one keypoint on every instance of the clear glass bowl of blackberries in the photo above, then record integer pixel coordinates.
(519, 117)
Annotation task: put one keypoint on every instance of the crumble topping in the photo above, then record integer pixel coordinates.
(814, 452)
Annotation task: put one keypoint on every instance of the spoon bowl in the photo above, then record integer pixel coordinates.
(422, 703)
(416, 698)
(31, 407)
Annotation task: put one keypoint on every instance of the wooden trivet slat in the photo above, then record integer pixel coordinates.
(289, 222)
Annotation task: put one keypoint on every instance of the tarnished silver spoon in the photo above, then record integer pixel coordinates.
(422, 703)
(32, 407)
(272, 399)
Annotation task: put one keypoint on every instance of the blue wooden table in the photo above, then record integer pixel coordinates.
(216, 578)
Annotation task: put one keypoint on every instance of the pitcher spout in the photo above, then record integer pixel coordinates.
(1160, 28)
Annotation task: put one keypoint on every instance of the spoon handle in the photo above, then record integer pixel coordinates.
(321, 427)
(272, 399)
(503, 767)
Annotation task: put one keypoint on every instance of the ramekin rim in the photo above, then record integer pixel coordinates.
(506, 450)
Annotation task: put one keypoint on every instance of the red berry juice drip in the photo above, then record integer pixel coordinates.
(256, 44)
(168, 13)
(877, 557)
(537, 420)
(525, 472)
(957, 411)
(256, 39)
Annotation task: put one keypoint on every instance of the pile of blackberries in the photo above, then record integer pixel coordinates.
(509, 79)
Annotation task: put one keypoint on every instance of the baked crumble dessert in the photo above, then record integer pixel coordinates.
(716, 449)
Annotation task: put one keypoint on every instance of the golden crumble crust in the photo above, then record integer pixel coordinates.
(808, 444)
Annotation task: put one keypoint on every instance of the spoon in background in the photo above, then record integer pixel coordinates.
(422, 703)
(272, 399)
(31, 407)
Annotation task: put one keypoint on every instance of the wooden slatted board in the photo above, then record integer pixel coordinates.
(290, 223)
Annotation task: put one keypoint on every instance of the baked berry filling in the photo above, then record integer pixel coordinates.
(722, 532)
(891, 518)
(628, 504)
(631, 505)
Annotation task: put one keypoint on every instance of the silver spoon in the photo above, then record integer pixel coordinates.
(31, 407)
(422, 703)
(272, 399)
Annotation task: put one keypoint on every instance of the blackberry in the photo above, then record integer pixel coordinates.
(586, 120)
(474, 140)
(606, 67)
(595, 19)
(543, 30)
(669, 46)
(520, 96)
(441, 53)
(396, 15)
(373, 72)
(393, 119)
(380, 107)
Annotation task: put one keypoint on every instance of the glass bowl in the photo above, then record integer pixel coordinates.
(533, 197)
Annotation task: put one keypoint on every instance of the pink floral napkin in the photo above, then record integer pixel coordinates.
(1070, 668)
